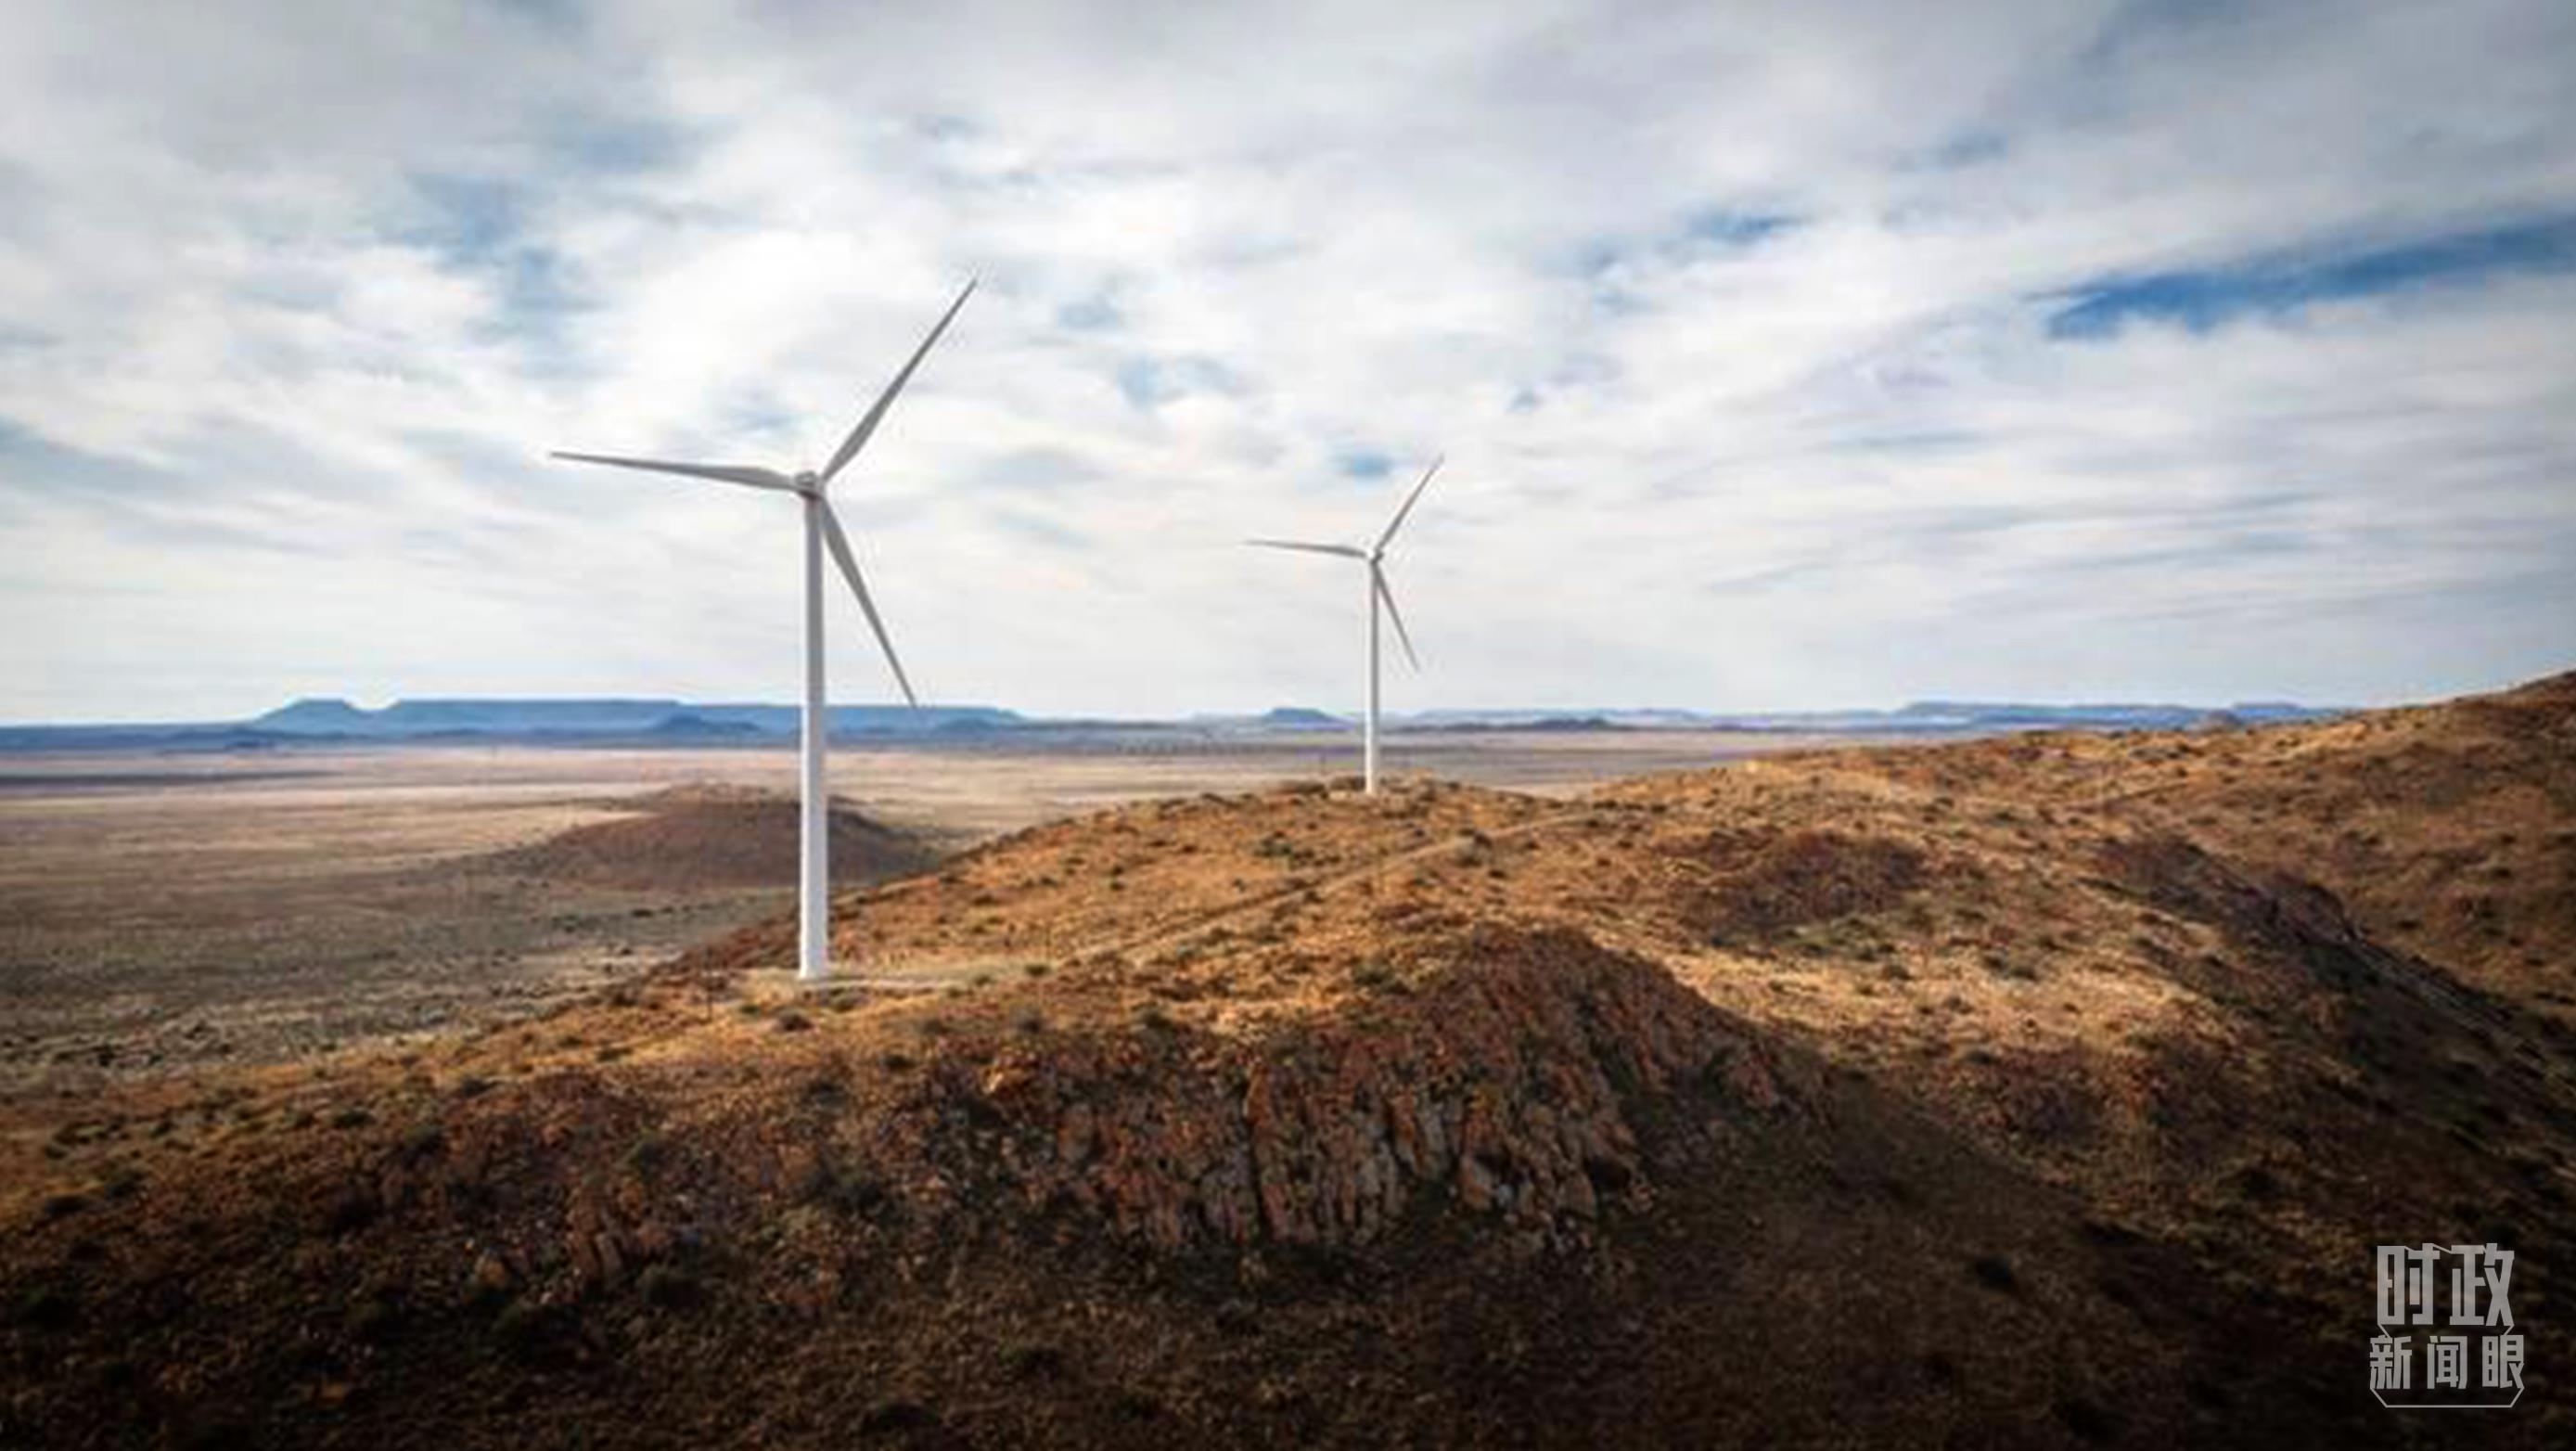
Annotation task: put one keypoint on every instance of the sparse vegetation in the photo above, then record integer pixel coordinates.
(1360, 1112)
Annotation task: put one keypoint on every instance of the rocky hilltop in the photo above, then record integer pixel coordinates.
(2046, 1091)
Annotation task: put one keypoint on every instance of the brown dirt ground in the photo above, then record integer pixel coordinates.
(2014, 1093)
(685, 838)
(160, 912)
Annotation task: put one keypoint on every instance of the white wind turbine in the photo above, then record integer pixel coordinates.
(1374, 557)
(822, 530)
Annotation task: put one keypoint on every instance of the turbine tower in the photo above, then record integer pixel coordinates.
(822, 531)
(1374, 557)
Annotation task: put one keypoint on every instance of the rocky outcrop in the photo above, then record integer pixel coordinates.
(1510, 1082)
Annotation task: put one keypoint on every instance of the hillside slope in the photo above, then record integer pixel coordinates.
(2448, 830)
(2001, 1094)
(698, 836)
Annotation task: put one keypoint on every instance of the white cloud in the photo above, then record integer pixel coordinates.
(1734, 321)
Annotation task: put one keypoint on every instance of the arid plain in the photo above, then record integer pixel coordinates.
(160, 910)
(2049, 1090)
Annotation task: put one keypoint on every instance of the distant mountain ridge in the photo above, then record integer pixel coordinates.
(648, 721)
(1918, 717)
(604, 716)
(2138, 715)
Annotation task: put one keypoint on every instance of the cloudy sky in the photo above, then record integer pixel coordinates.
(1793, 355)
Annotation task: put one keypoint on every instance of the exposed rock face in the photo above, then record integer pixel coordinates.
(1510, 1081)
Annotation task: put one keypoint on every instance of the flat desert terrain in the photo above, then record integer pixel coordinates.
(162, 910)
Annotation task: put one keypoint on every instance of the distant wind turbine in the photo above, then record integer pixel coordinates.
(822, 530)
(1374, 557)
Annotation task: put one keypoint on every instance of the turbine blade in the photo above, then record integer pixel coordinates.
(849, 563)
(1392, 613)
(757, 478)
(1398, 521)
(858, 438)
(1344, 550)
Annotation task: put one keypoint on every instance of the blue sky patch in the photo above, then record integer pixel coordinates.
(1149, 383)
(622, 147)
(1968, 148)
(464, 219)
(1363, 463)
(1096, 313)
(2201, 300)
(480, 225)
(1720, 227)
(1704, 232)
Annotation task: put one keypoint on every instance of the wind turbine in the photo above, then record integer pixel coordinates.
(822, 530)
(1374, 557)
